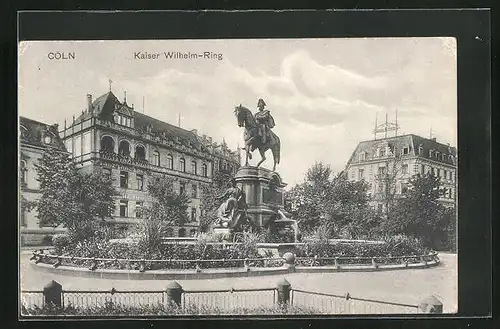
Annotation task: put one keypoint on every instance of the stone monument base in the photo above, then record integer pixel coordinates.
(225, 232)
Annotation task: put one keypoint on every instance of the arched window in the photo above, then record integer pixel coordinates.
(107, 144)
(156, 158)
(204, 170)
(170, 161)
(24, 173)
(124, 148)
(140, 152)
(182, 165)
(194, 168)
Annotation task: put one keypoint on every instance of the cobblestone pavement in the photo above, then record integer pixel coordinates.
(403, 286)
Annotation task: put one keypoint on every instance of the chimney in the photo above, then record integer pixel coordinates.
(89, 103)
(433, 139)
(194, 131)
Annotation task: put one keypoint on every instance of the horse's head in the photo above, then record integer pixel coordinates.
(240, 113)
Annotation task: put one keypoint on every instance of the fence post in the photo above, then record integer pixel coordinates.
(52, 293)
(289, 261)
(431, 305)
(283, 287)
(174, 293)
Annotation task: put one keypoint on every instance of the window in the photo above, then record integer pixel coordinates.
(204, 170)
(69, 145)
(422, 169)
(382, 170)
(361, 173)
(24, 173)
(193, 214)
(124, 148)
(449, 175)
(379, 208)
(431, 152)
(124, 179)
(441, 173)
(140, 153)
(107, 144)
(444, 174)
(362, 156)
(78, 145)
(406, 150)
(170, 161)
(86, 148)
(420, 150)
(382, 152)
(404, 188)
(156, 158)
(194, 168)
(182, 165)
(404, 168)
(140, 182)
(123, 208)
(23, 216)
(194, 191)
(182, 232)
(182, 188)
(138, 209)
(437, 155)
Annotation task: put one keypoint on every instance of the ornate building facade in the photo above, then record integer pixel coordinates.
(134, 148)
(394, 160)
(34, 138)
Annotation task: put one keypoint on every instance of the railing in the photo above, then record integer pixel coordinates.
(373, 261)
(143, 265)
(229, 299)
(346, 304)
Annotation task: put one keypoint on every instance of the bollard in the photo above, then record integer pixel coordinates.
(289, 261)
(52, 293)
(174, 293)
(198, 267)
(283, 287)
(337, 265)
(142, 265)
(374, 264)
(247, 267)
(431, 305)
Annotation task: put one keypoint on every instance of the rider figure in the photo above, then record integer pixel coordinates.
(265, 121)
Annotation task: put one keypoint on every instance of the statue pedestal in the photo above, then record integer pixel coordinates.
(264, 193)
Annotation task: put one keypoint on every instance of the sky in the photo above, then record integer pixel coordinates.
(324, 94)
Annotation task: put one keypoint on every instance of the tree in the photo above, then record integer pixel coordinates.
(71, 198)
(331, 204)
(419, 214)
(309, 199)
(209, 193)
(168, 206)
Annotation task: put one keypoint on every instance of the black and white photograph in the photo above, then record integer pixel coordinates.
(216, 177)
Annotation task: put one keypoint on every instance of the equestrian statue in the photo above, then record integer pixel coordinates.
(258, 133)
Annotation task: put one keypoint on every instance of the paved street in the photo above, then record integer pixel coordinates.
(404, 286)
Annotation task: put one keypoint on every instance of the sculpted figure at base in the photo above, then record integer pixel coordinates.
(232, 211)
(258, 133)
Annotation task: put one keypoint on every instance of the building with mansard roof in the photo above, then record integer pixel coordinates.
(401, 157)
(34, 138)
(134, 148)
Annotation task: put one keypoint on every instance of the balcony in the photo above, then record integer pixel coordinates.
(111, 156)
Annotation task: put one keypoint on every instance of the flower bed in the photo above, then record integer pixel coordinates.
(104, 254)
(149, 310)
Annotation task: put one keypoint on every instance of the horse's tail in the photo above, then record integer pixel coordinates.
(277, 150)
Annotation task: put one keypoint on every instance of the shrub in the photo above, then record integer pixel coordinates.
(158, 309)
(47, 240)
(60, 241)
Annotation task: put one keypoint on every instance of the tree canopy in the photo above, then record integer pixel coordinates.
(70, 197)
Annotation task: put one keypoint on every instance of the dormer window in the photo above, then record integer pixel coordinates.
(362, 156)
(123, 120)
(23, 131)
(431, 153)
(47, 139)
(405, 150)
(437, 155)
(382, 152)
(420, 150)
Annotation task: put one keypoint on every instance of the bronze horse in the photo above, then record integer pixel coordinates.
(253, 140)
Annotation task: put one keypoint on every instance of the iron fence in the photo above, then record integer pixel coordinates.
(345, 304)
(230, 299)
